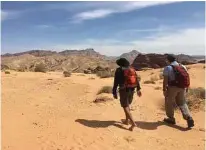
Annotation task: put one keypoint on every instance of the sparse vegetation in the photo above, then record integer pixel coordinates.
(82, 75)
(129, 139)
(158, 88)
(138, 77)
(161, 76)
(151, 73)
(91, 78)
(67, 74)
(154, 78)
(7, 72)
(105, 89)
(102, 99)
(195, 99)
(149, 82)
(161, 70)
(105, 74)
(188, 68)
(40, 68)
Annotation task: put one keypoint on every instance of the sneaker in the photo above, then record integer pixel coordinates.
(170, 120)
(190, 122)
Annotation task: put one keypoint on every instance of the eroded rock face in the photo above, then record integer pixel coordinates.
(158, 61)
(201, 61)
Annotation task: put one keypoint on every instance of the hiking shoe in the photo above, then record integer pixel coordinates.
(190, 122)
(170, 120)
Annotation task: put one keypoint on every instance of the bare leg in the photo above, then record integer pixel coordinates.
(129, 115)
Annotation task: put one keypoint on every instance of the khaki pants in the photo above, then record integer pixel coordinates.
(176, 95)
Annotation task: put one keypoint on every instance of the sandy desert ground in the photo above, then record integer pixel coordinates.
(46, 111)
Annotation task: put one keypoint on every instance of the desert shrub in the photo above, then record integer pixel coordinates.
(161, 70)
(40, 68)
(4, 67)
(91, 78)
(67, 74)
(105, 89)
(7, 72)
(188, 68)
(149, 82)
(138, 77)
(195, 98)
(196, 93)
(87, 72)
(105, 74)
(161, 76)
(158, 88)
(154, 78)
(102, 99)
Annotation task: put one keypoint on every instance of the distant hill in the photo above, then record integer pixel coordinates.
(130, 55)
(79, 60)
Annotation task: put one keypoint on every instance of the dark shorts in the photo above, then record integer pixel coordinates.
(126, 97)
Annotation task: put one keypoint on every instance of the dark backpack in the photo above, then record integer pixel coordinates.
(182, 79)
(130, 78)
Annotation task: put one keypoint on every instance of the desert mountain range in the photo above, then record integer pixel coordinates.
(79, 60)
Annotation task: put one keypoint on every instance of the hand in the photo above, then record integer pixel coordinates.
(115, 96)
(139, 93)
(165, 93)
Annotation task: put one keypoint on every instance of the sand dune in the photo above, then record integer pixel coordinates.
(45, 111)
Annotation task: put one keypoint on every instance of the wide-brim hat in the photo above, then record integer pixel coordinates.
(123, 62)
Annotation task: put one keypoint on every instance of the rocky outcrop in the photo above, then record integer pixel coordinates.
(201, 61)
(158, 61)
(130, 56)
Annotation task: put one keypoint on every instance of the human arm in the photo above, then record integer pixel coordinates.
(116, 83)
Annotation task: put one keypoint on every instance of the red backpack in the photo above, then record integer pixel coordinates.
(182, 78)
(130, 77)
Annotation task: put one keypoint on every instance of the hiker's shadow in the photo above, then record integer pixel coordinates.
(99, 124)
(155, 125)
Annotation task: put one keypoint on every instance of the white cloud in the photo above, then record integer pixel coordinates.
(105, 9)
(3, 15)
(43, 26)
(188, 41)
(92, 15)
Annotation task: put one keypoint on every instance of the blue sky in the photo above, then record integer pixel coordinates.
(111, 28)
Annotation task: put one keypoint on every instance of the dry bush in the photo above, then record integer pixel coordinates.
(105, 74)
(91, 78)
(195, 99)
(158, 88)
(105, 89)
(138, 77)
(129, 139)
(102, 99)
(40, 68)
(67, 74)
(161, 76)
(81, 75)
(7, 72)
(188, 68)
(161, 70)
(149, 82)
(154, 78)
